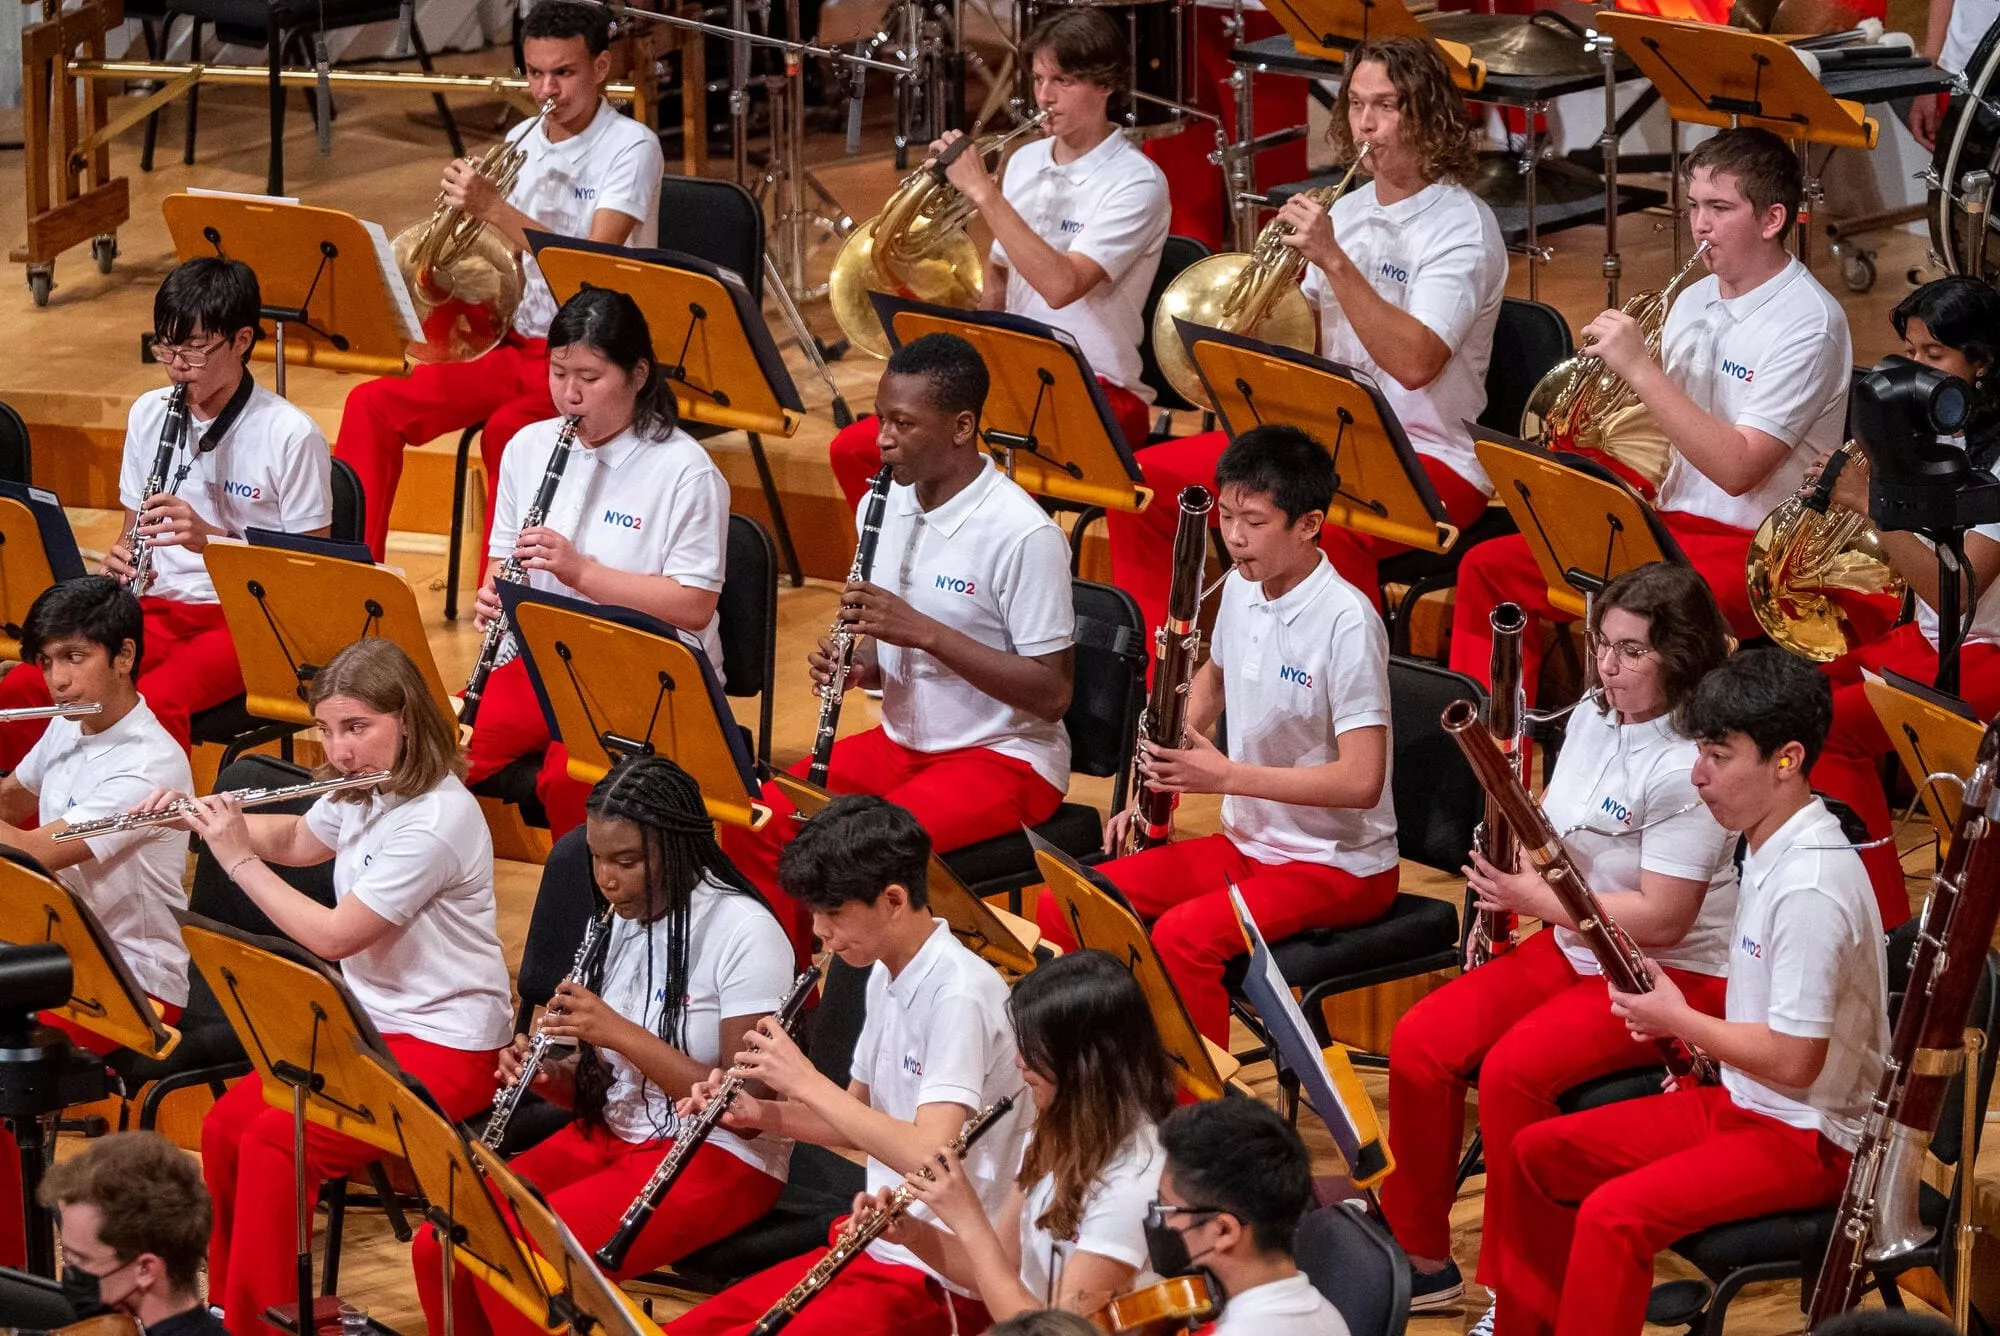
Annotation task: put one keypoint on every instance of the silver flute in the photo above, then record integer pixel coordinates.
(174, 811)
(596, 940)
(80, 710)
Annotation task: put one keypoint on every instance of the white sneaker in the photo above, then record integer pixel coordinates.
(1484, 1327)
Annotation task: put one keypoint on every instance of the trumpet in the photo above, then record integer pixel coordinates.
(80, 710)
(596, 941)
(173, 435)
(180, 807)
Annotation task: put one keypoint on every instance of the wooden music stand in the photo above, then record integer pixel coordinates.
(105, 998)
(1582, 524)
(1380, 486)
(1046, 420)
(291, 612)
(30, 554)
(1328, 29)
(614, 683)
(1005, 941)
(1933, 734)
(1099, 922)
(330, 285)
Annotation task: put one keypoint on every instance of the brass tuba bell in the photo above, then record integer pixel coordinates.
(1812, 566)
(1255, 294)
(916, 247)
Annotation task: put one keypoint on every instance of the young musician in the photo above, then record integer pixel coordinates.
(641, 519)
(1953, 325)
(412, 930)
(1751, 390)
(1301, 662)
(694, 961)
(1534, 1021)
(1597, 1194)
(964, 626)
(590, 172)
(1236, 1183)
(1071, 1232)
(1407, 273)
(1078, 222)
(936, 1049)
(250, 460)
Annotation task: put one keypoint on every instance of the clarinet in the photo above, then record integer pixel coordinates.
(1492, 930)
(1623, 965)
(859, 1234)
(493, 649)
(842, 635)
(693, 1135)
(1877, 1218)
(596, 940)
(1176, 646)
(173, 435)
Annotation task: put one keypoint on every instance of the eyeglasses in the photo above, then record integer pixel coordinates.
(1157, 1213)
(188, 355)
(1628, 651)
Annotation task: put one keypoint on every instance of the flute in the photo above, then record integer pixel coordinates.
(174, 811)
(596, 940)
(80, 710)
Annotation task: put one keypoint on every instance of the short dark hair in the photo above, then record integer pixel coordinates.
(1963, 313)
(1684, 624)
(1765, 167)
(98, 608)
(854, 849)
(218, 295)
(1768, 695)
(1285, 463)
(1239, 1156)
(149, 1198)
(563, 19)
(1086, 45)
(954, 368)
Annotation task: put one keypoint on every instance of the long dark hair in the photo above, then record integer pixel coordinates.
(1683, 622)
(664, 802)
(1082, 1021)
(612, 324)
(1964, 313)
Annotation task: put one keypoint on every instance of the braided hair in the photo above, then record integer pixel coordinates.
(665, 803)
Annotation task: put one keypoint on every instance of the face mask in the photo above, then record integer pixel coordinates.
(1167, 1251)
(84, 1291)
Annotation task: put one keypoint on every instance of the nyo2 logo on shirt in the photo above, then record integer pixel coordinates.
(242, 491)
(1297, 676)
(619, 519)
(1395, 272)
(913, 1064)
(1616, 810)
(1750, 946)
(1743, 373)
(951, 584)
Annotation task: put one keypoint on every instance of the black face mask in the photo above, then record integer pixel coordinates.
(84, 1291)
(1166, 1251)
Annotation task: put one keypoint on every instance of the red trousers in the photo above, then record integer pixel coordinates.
(1598, 1193)
(190, 666)
(588, 1177)
(1502, 570)
(385, 415)
(856, 458)
(1849, 768)
(246, 1159)
(1531, 1027)
(960, 797)
(1142, 543)
(509, 726)
(1182, 890)
(869, 1298)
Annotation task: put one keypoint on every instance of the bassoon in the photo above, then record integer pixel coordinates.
(841, 638)
(1176, 647)
(1623, 966)
(1492, 930)
(1877, 1219)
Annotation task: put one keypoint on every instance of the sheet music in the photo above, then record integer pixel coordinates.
(241, 194)
(392, 279)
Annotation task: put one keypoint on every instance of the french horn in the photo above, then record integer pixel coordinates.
(1813, 566)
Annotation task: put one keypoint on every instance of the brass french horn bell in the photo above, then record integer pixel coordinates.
(1813, 566)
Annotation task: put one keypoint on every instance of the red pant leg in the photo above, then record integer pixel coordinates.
(509, 725)
(1142, 542)
(563, 799)
(1718, 552)
(1155, 881)
(856, 458)
(533, 404)
(1500, 570)
(190, 663)
(869, 1298)
(964, 797)
(1133, 414)
(21, 686)
(1355, 554)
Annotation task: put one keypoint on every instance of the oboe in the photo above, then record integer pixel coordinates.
(173, 435)
(174, 811)
(1491, 931)
(862, 1232)
(493, 650)
(1176, 647)
(842, 635)
(596, 939)
(693, 1134)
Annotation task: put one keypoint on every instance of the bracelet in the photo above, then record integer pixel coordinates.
(230, 871)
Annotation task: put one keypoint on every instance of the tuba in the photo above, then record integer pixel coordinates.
(1813, 565)
(1255, 295)
(917, 246)
(464, 279)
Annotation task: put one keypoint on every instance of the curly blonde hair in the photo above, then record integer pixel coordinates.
(1433, 111)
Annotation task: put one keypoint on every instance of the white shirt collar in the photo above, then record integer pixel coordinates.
(1288, 605)
(1798, 829)
(1746, 304)
(947, 517)
(1079, 170)
(903, 987)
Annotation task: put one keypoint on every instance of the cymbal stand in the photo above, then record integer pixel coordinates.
(1236, 159)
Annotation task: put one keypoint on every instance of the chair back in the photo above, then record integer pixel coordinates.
(748, 612)
(1179, 254)
(16, 460)
(1438, 800)
(1528, 339)
(717, 221)
(1110, 681)
(1355, 1263)
(565, 902)
(350, 505)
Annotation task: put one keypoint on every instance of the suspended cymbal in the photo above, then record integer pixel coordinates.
(1541, 44)
(1497, 179)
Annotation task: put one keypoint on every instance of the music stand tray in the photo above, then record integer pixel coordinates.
(1933, 734)
(37, 549)
(105, 998)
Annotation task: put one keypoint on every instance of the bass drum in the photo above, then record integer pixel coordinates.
(1964, 167)
(1156, 37)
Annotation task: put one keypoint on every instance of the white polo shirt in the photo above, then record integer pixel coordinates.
(1624, 803)
(991, 564)
(739, 964)
(638, 504)
(1970, 20)
(938, 1033)
(615, 163)
(272, 471)
(1439, 256)
(1296, 674)
(426, 865)
(132, 880)
(1776, 360)
(1113, 1223)
(1288, 1307)
(1810, 960)
(1110, 205)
